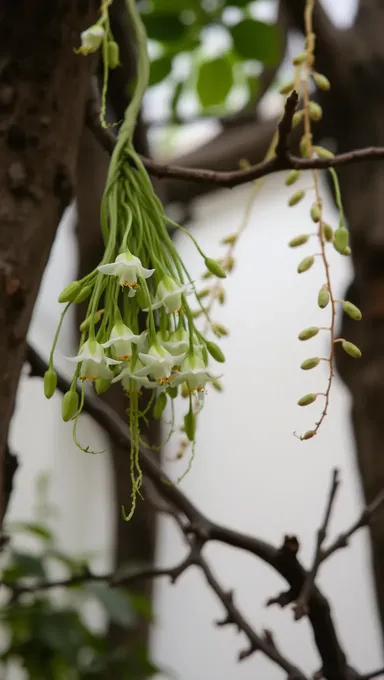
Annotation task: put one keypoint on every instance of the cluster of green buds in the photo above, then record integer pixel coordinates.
(139, 330)
(322, 232)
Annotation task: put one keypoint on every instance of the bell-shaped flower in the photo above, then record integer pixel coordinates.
(159, 363)
(194, 373)
(91, 39)
(121, 340)
(177, 342)
(131, 380)
(168, 294)
(128, 269)
(94, 363)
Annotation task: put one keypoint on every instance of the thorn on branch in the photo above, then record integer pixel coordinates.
(245, 653)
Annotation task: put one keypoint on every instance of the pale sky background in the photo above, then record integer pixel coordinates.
(250, 472)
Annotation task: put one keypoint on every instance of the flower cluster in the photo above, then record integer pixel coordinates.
(139, 330)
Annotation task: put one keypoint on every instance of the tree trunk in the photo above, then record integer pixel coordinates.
(42, 91)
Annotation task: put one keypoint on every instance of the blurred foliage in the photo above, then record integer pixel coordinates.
(182, 27)
(45, 631)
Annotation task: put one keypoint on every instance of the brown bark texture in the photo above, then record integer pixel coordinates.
(42, 95)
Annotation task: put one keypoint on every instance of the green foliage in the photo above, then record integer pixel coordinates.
(51, 640)
(179, 27)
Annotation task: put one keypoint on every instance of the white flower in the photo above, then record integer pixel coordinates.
(94, 364)
(194, 373)
(131, 380)
(127, 268)
(177, 343)
(91, 39)
(169, 294)
(121, 340)
(159, 363)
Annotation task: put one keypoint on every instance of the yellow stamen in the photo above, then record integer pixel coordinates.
(130, 284)
(124, 357)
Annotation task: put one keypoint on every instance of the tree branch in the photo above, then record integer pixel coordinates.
(283, 160)
(301, 606)
(283, 560)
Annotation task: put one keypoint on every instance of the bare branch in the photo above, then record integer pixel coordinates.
(281, 161)
(363, 521)
(301, 606)
(283, 560)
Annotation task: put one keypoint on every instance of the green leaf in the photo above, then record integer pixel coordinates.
(141, 604)
(214, 81)
(255, 40)
(164, 27)
(160, 69)
(28, 564)
(34, 528)
(115, 601)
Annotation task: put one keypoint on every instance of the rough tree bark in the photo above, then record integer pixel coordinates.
(42, 96)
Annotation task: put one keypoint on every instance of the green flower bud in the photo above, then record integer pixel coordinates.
(50, 382)
(292, 177)
(305, 264)
(83, 294)
(347, 251)
(184, 393)
(298, 240)
(204, 293)
(70, 292)
(296, 198)
(310, 363)
(286, 88)
(113, 54)
(308, 333)
(190, 425)
(141, 298)
(340, 239)
(323, 153)
(299, 58)
(206, 275)
(321, 81)
(216, 384)
(160, 405)
(221, 296)
(352, 311)
(219, 330)
(328, 232)
(315, 111)
(215, 351)
(173, 391)
(230, 240)
(102, 385)
(70, 405)
(323, 297)
(304, 146)
(307, 399)
(308, 435)
(95, 318)
(316, 212)
(351, 349)
(215, 267)
(297, 118)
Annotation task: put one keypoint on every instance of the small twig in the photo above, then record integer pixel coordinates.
(234, 616)
(285, 161)
(301, 606)
(342, 540)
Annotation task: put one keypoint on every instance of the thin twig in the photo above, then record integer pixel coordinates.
(233, 178)
(342, 540)
(301, 606)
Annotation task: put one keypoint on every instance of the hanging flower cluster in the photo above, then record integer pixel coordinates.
(139, 330)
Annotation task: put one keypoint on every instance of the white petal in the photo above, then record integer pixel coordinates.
(111, 362)
(146, 273)
(109, 269)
